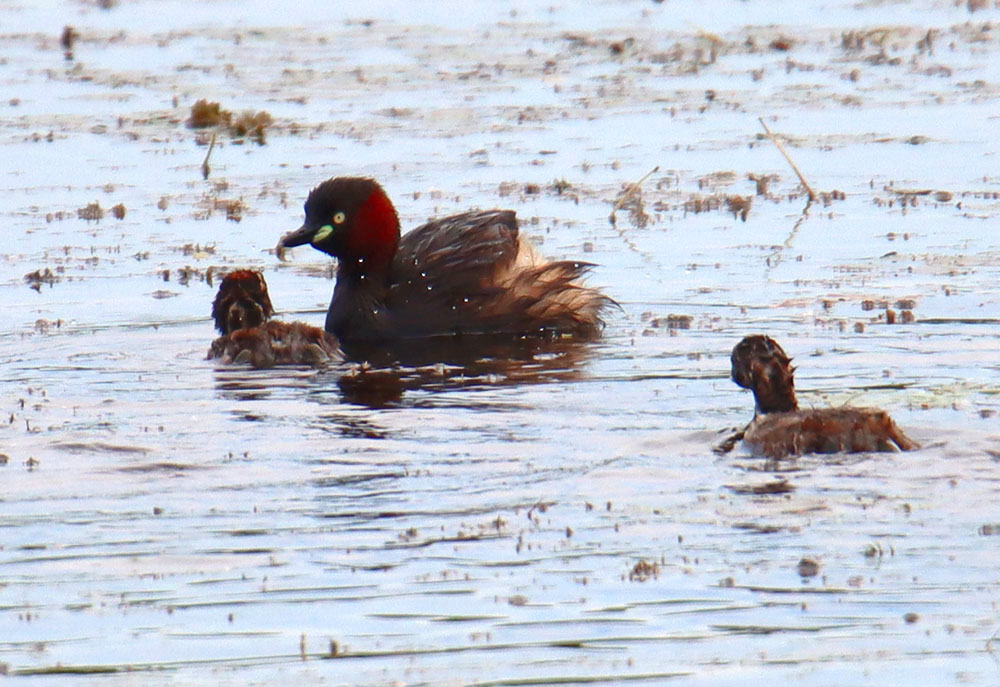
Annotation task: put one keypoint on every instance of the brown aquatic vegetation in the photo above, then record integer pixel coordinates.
(827, 197)
(717, 180)
(904, 316)
(185, 275)
(249, 124)
(210, 204)
(672, 321)
(739, 206)
(234, 209)
(66, 41)
(205, 114)
(561, 186)
(630, 198)
(632, 201)
(38, 277)
(92, 212)
(779, 429)
(698, 204)
(196, 249)
(781, 486)
(644, 570)
(762, 182)
(807, 567)
(42, 326)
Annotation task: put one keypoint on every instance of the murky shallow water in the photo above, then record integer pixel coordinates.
(212, 525)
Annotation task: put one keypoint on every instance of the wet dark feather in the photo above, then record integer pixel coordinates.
(458, 275)
(463, 250)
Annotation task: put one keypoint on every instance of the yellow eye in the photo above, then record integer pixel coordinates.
(339, 218)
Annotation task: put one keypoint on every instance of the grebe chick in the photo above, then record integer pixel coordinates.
(780, 429)
(242, 310)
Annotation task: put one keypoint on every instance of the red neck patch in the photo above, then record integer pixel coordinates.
(374, 235)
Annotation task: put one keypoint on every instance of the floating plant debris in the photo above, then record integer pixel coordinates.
(92, 212)
(38, 277)
(249, 124)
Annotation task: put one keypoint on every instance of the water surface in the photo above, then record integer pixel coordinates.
(170, 520)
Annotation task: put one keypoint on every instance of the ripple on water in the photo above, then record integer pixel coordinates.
(532, 513)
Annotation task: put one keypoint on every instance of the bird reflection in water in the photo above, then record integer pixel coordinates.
(386, 372)
(387, 375)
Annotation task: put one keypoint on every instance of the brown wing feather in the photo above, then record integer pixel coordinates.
(827, 430)
(277, 343)
(549, 296)
(462, 250)
(473, 273)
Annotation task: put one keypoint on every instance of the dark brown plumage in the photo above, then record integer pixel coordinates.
(780, 429)
(241, 311)
(470, 273)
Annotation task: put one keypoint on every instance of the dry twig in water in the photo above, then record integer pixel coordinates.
(781, 149)
(205, 169)
(630, 192)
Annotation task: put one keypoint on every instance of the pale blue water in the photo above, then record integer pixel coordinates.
(209, 525)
